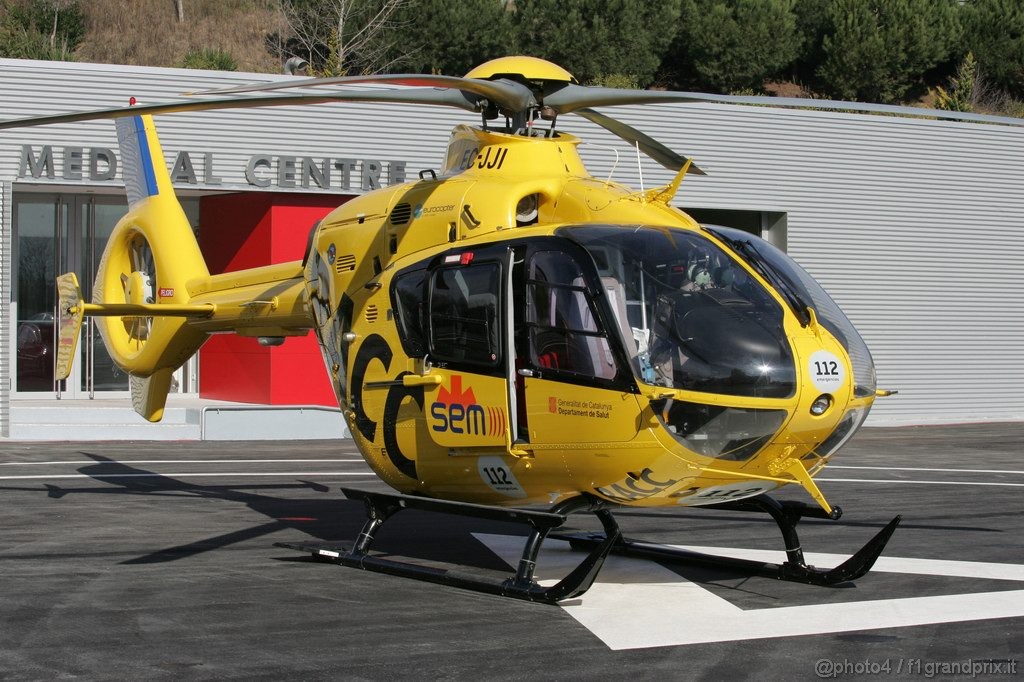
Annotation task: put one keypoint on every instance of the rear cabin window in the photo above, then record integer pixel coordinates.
(464, 314)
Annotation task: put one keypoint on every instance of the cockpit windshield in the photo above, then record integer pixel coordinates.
(689, 315)
(802, 292)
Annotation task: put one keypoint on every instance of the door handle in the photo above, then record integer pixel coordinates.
(422, 380)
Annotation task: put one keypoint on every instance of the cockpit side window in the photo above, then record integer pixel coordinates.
(465, 327)
(564, 329)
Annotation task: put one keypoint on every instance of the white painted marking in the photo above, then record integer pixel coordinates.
(884, 564)
(895, 480)
(958, 471)
(177, 461)
(637, 604)
(192, 475)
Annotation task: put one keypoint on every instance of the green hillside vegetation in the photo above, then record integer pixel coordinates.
(956, 54)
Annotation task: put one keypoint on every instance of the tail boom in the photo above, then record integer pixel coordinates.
(266, 301)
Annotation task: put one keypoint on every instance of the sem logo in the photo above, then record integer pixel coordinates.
(456, 410)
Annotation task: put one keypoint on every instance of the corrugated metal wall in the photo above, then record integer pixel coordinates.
(5, 308)
(913, 225)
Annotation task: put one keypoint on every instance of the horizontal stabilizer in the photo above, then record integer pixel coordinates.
(70, 313)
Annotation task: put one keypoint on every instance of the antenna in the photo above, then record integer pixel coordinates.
(640, 168)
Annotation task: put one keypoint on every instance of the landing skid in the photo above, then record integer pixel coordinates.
(786, 515)
(380, 507)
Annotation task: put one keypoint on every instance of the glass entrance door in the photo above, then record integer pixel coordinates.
(96, 218)
(54, 234)
(41, 250)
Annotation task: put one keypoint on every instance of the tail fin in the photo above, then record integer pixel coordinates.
(150, 257)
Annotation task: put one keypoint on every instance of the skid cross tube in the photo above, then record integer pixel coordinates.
(786, 515)
(380, 507)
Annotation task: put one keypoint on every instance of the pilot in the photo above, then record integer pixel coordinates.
(699, 277)
(698, 272)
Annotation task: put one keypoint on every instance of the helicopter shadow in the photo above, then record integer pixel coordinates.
(332, 519)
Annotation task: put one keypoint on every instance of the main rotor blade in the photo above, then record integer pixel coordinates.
(567, 97)
(647, 144)
(452, 98)
(504, 93)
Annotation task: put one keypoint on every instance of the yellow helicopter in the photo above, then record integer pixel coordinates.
(512, 331)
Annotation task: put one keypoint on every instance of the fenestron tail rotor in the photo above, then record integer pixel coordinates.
(140, 286)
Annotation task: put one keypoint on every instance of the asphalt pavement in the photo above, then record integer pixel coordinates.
(156, 560)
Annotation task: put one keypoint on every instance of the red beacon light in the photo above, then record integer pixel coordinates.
(462, 259)
(132, 101)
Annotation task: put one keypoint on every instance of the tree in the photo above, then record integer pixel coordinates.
(964, 88)
(344, 37)
(811, 25)
(879, 50)
(450, 38)
(40, 29)
(595, 41)
(729, 45)
(994, 32)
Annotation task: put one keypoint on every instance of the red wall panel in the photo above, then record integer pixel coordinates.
(236, 369)
(246, 230)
